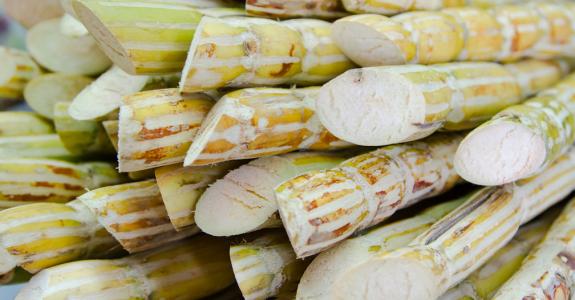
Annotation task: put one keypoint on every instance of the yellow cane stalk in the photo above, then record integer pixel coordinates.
(267, 267)
(24, 181)
(257, 122)
(80, 137)
(461, 242)
(548, 271)
(120, 209)
(182, 187)
(17, 69)
(244, 200)
(485, 281)
(145, 36)
(157, 127)
(22, 123)
(326, 269)
(190, 269)
(538, 30)
(243, 52)
(42, 235)
(322, 9)
(526, 137)
(452, 96)
(321, 208)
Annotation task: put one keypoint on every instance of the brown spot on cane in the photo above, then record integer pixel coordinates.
(207, 50)
(44, 184)
(285, 66)
(63, 171)
(568, 259)
(250, 46)
(421, 184)
(150, 134)
(311, 5)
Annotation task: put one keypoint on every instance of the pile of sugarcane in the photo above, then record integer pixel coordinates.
(291, 149)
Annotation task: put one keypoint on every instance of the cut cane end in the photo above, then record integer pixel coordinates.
(371, 107)
(499, 153)
(390, 278)
(221, 212)
(365, 46)
(107, 41)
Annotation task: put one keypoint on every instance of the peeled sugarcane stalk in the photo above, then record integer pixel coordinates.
(548, 271)
(157, 127)
(190, 269)
(461, 242)
(257, 122)
(540, 30)
(105, 94)
(30, 12)
(34, 146)
(145, 37)
(267, 267)
(58, 52)
(485, 281)
(25, 181)
(80, 137)
(395, 104)
(244, 201)
(238, 52)
(41, 235)
(134, 214)
(328, 267)
(43, 92)
(17, 70)
(321, 208)
(323, 9)
(181, 188)
(521, 140)
(22, 123)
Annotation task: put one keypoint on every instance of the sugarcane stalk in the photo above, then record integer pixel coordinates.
(452, 96)
(30, 12)
(461, 242)
(548, 272)
(244, 201)
(322, 9)
(38, 236)
(538, 30)
(190, 269)
(257, 122)
(25, 181)
(22, 123)
(34, 146)
(17, 70)
(134, 214)
(267, 267)
(145, 37)
(485, 281)
(521, 140)
(80, 137)
(59, 52)
(105, 94)
(321, 208)
(243, 52)
(182, 187)
(326, 269)
(43, 92)
(157, 127)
